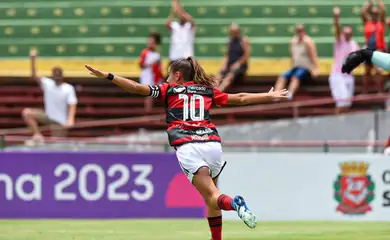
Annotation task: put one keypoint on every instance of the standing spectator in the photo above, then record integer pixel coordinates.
(374, 31)
(235, 63)
(59, 100)
(182, 33)
(342, 85)
(304, 60)
(150, 63)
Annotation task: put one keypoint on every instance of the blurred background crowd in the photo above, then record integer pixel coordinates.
(249, 46)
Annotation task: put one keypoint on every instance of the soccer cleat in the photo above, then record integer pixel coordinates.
(243, 212)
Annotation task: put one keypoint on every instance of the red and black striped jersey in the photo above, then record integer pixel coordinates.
(187, 110)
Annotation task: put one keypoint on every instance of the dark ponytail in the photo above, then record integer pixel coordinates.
(200, 76)
(192, 71)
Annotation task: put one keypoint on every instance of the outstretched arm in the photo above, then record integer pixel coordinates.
(382, 10)
(365, 9)
(33, 59)
(180, 11)
(256, 98)
(127, 84)
(169, 21)
(313, 57)
(336, 22)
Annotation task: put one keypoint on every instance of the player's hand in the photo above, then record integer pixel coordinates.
(96, 72)
(354, 59)
(336, 12)
(33, 53)
(280, 94)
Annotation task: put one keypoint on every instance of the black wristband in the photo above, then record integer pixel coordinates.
(110, 76)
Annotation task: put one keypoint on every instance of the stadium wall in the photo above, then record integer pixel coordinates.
(295, 187)
(280, 187)
(74, 67)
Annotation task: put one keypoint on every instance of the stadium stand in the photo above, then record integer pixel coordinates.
(118, 29)
(110, 35)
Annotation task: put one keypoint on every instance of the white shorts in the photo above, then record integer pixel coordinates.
(342, 87)
(194, 156)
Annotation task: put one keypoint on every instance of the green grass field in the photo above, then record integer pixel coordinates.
(186, 230)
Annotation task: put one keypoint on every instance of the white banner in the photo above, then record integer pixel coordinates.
(289, 187)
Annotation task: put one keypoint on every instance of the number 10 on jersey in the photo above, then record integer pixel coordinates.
(192, 106)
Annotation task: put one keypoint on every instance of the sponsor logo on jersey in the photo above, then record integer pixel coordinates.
(197, 88)
(200, 138)
(179, 89)
(354, 189)
(203, 131)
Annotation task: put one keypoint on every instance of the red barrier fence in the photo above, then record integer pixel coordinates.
(295, 105)
(325, 145)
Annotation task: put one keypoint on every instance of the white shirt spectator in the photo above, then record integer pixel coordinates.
(387, 151)
(57, 98)
(182, 41)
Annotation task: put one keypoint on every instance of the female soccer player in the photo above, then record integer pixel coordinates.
(189, 94)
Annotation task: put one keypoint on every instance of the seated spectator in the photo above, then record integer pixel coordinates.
(304, 59)
(60, 103)
(342, 85)
(235, 63)
(150, 63)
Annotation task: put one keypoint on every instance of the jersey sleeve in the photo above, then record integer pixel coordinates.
(220, 98)
(159, 91)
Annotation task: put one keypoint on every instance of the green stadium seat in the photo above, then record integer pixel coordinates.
(119, 29)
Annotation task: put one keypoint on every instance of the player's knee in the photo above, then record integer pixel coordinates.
(27, 113)
(204, 171)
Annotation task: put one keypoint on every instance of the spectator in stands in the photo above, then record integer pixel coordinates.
(150, 63)
(182, 33)
(387, 148)
(60, 103)
(235, 63)
(387, 103)
(342, 85)
(374, 30)
(304, 59)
